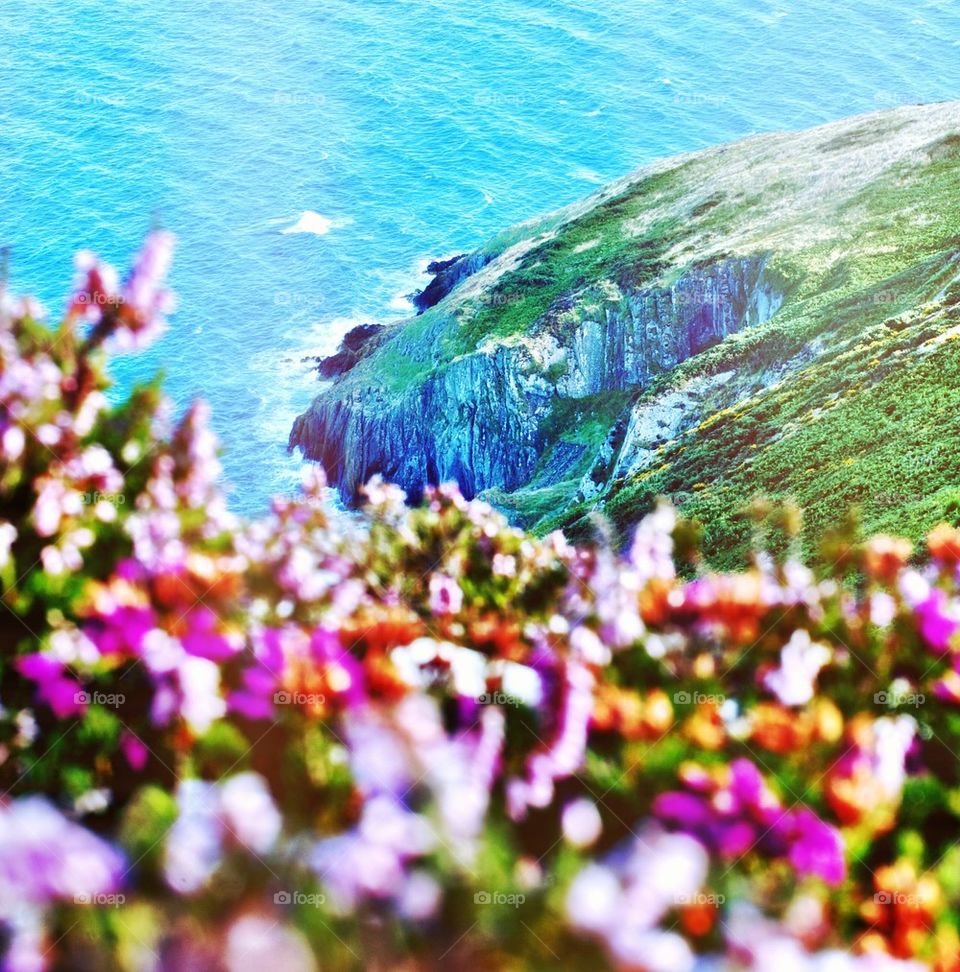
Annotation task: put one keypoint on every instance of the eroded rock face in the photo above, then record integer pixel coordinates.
(481, 419)
(446, 275)
(356, 344)
(662, 327)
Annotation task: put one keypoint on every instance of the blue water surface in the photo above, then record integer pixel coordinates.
(412, 128)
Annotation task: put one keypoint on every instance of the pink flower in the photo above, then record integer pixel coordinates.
(62, 694)
(816, 848)
(446, 597)
(939, 620)
(143, 289)
(94, 287)
(134, 750)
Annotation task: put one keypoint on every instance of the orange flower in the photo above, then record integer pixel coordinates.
(498, 635)
(777, 729)
(885, 556)
(943, 542)
(378, 631)
(705, 727)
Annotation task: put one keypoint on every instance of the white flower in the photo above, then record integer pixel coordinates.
(800, 663)
(248, 810)
(192, 851)
(12, 443)
(8, 534)
(893, 738)
(593, 899)
(590, 648)
(259, 942)
(581, 823)
(200, 684)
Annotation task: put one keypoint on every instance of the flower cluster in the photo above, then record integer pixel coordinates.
(419, 737)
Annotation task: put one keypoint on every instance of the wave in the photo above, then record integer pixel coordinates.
(315, 223)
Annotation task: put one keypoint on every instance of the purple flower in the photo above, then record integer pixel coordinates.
(62, 694)
(203, 640)
(816, 848)
(733, 838)
(938, 620)
(743, 814)
(121, 631)
(44, 857)
(691, 813)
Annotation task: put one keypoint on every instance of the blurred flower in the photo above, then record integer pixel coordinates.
(446, 597)
(63, 694)
(623, 901)
(581, 823)
(259, 941)
(738, 813)
(800, 662)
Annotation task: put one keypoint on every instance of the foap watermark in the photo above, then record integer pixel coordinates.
(110, 700)
(501, 300)
(99, 299)
(899, 898)
(99, 900)
(499, 898)
(497, 698)
(299, 698)
(298, 99)
(88, 98)
(498, 99)
(687, 900)
(698, 698)
(699, 98)
(95, 498)
(295, 299)
(299, 898)
(896, 699)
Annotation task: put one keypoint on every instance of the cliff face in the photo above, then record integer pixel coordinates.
(569, 358)
(479, 419)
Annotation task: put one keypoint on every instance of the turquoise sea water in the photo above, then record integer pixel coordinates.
(412, 128)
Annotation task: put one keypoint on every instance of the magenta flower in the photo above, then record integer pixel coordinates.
(121, 631)
(938, 620)
(744, 815)
(64, 695)
(203, 640)
(816, 848)
(326, 648)
(134, 750)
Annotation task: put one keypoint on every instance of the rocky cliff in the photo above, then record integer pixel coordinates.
(572, 362)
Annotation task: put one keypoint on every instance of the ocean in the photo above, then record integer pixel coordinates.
(313, 155)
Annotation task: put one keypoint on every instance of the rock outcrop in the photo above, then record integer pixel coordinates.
(446, 275)
(478, 421)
